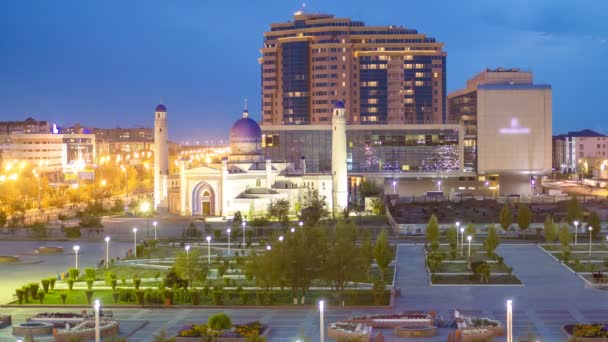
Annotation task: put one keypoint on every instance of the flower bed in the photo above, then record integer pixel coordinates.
(596, 332)
(347, 331)
(85, 330)
(238, 333)
(58, 319)
(394, 320)
(476, 335)
(470, 322)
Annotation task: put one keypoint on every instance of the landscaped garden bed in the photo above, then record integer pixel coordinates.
(219, 327)
(476, 335)
(472, 323)
(86, 331)
(58, 318)
(349, 331)
(472, 280)
(596, 332)
(394, 320)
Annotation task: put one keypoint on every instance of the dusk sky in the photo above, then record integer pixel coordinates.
(108, 63)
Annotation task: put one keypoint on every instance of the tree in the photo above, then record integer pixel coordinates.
(565, 237)
(575, 212)
(383, 253)
(367, 249)
(369, 189)
(452, 237)
(482, 271)
(191, 231)
(279, 209)
(432, 230)
(265, 267)
(524, 217)
(550, 229)
(344, 260)
(491, 242)
(191, 266)
(505, 218)
(314, 207)
(3, 218)
(594, 221)
(470, 230)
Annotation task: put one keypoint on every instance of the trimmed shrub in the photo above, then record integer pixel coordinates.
(113, 284)
(89, 295)
(243, 297)
(20, 295)
(136, 283)
(41, 296)
(226, 282)
(259, 298)
(218, 297)
(45, 285)
(219, 321)
(70, 284)
(196, 297)
(109, 277)
(73, 273)
(206, 291)
(64, 297)
(52, 283)
(140, 297)
(89, 284)
(168, 294)
(126, 295)
(34, 287)
(89, 273)
(26, 293)
(115, 297)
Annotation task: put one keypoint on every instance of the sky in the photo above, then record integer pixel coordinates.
(107, 63)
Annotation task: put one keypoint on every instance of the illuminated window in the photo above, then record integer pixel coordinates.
(435, 75)
(419, 66)
(409, 57)
(405, 167)
(408, 66)
(372, 101)
(419, 83)
(419, 74)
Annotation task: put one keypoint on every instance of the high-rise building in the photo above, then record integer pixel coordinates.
(383, 74)
(572, 150)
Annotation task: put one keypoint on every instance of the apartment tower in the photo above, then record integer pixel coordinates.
(383, 74)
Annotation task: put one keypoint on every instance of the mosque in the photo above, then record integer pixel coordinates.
(245, 181)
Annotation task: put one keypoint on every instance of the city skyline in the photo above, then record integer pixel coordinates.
(176, 59)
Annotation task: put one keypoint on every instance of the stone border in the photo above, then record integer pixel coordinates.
(223, 339)
(415, 332)
(108, 330)
(582, 339)
(339, 334)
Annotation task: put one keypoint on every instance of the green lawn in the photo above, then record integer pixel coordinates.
(582, 246)
(129, 272)
(463, 267)
(468, 280)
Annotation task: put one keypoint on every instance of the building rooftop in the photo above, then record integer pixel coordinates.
(587, 133)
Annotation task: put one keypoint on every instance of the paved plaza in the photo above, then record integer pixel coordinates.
(551, 296)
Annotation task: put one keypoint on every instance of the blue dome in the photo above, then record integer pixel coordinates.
(339, 105)
(246, 130)
(161, 108)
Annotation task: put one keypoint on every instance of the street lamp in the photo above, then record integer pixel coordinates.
(293, 230)
(509, 320)
(107, 252)
(135, 241)
(76, 248)
(301, 224)
(575, 232)
(321, 325)
(268, 247)
(228, 231)
(208, 249)
(469, 238)
(154, 224)
(281, 238)
(244, 224)
(457, 226)
(590, 235)
(187, 248)
(462, 240)
(96, 309)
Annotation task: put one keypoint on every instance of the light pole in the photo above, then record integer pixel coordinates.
(457, 228)
(469, 238)
(228, 231)
(575, 232)
(76, 248)
(154, 224)
(509, 320)
(301, 224)
(293, 230)
(281, 238)
(208, 249)
(107, 252)
(96, 309)
(268, 247)
(187, 248)
(135, 242)
(244, 224)
(462, 241)
(590, 235)
(321, 325)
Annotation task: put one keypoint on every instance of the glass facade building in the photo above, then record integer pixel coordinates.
(371, 149)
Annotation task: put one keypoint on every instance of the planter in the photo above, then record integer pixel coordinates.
(50, 250)
(8, 258)
(468, 322)
(476, 335)
(395, 320)
(565, 330)
(340, 331)
(32, 329)
(415, 331)
(110, 329)
(5, 320)
(73, 319)
(265, 333)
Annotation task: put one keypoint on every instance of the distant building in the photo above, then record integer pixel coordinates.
(136, 134)
(29, 125)
(383, 74)
(571, 150)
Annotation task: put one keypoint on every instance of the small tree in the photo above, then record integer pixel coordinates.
(279, 209)
(383, 253)
(594, 222)
(505, 218)
(219, 321)
(491, 242)
(432, 230)
(524, 217)
(452, 237)
(550, 229)
(565, 237)
(575, 212)
(470, 230)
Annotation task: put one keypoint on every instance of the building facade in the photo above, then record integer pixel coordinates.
(382, 74)
(571, 150)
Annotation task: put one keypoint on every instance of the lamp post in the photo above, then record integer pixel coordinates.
(301, 224)
(469, 238)
(76, 248)
(107, 252)
(154, 224)
(457, 228)
(293, 230)
(281, 238)
(509, 320)
(268, 247)
(575, 232)
(461, 241)
(208, 249)
(321, 324)
(135, 242)
(244, 224)
(228, 231)
(96, 309)
(590, 235)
